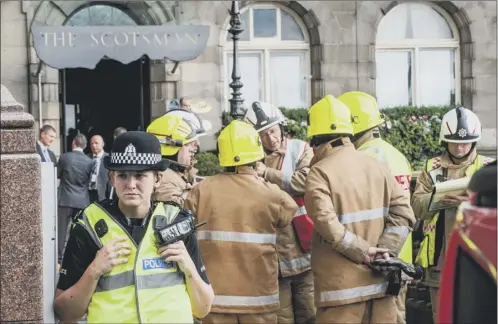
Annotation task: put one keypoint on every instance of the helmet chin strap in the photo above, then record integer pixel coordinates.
(453, 158)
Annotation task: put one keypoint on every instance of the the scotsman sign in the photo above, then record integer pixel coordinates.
(71, 47)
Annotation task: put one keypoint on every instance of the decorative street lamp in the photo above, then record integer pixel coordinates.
(236, 103)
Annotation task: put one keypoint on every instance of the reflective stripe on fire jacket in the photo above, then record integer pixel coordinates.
(425, 256)
(240, 237)
(146, 289)
(402, 171)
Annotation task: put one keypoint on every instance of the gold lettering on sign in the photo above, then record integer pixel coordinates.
(59, 39)
(120, 39)
(125, 39)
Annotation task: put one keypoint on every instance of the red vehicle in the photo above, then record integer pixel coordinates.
(468, 285)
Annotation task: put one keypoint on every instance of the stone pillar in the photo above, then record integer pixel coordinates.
(163, 87)
(21, 243)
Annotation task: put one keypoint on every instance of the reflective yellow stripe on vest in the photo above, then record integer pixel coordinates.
(146, 289)
(400, 168)
(240, 237)
(427, 251)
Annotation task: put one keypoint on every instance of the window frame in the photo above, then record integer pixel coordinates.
(415, 45)
(266, 46)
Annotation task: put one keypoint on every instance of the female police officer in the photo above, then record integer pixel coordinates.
(112, 268)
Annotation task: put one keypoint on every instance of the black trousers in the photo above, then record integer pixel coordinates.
(64, 220)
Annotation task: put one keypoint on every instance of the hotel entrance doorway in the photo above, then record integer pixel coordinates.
(95, 102)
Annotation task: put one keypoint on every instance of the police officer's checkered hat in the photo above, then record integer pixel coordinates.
(135, 151)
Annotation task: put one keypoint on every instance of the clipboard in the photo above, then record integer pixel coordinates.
(456, 187)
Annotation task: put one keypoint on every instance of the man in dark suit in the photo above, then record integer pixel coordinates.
(74, 171)
(99, 178)
(47, 136)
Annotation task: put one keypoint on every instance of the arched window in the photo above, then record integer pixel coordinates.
(100, 15)
(417, 57)
(273, 57)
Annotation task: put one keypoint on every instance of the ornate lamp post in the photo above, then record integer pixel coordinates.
(236, 110)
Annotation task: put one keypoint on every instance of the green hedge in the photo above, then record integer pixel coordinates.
(412, 130)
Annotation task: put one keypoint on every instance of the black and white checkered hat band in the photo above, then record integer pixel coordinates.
(136, 158)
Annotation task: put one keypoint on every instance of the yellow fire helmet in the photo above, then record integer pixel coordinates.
(364, 110)
(238, 144)
(172, 132)
(329, 116)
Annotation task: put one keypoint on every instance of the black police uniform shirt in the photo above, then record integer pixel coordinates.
(81, 249)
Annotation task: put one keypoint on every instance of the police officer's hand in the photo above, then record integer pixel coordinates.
(113, 253)
(177, 252)
(375, 253)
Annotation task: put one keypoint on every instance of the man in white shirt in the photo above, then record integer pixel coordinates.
(47, 137)
(99, 177)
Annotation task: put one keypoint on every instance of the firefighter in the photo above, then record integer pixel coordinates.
(460, 131)
(178, 137)
(238, 243)
(366, 119)
(201, 129)
(112, 270)
(286, 164)
(360, 213)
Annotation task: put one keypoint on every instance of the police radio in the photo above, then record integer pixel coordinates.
(169, 233)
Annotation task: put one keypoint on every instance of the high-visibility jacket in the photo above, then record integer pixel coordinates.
(426, 254)
(402, 171)
(146, 289)
(302, 223)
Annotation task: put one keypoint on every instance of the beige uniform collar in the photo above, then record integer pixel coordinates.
(447, 163)
(368, 136)
(327, 149)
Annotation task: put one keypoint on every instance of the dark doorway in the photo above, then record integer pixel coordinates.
(98, 101)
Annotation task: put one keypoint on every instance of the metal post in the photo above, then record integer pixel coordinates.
(236, 110)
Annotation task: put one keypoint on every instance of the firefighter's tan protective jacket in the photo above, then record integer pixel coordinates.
(174, 186)
(238, 243)
(291, 257)
(355, 204)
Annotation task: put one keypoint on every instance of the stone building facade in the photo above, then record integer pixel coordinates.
(338, 45)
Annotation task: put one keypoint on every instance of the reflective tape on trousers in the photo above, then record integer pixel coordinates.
(402, 231)
(125, 279)
(300, 211)
(352, 293)
(245, 300)
(363, 215)
(240, 237)
(296, 264)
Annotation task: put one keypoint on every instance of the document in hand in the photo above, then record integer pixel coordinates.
(452, 187)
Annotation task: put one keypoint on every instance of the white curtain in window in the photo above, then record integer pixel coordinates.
(250, 71)
(287, 79)
(436, 78)
(392, 86)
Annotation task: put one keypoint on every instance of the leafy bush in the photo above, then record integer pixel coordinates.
(208, 164)
(412, 130)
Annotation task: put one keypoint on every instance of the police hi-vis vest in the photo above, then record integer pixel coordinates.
(425, 256)
(400, 168)
(302, 223)
(146, 289)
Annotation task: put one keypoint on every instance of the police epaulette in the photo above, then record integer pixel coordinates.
(78, 216)
(168, 202)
